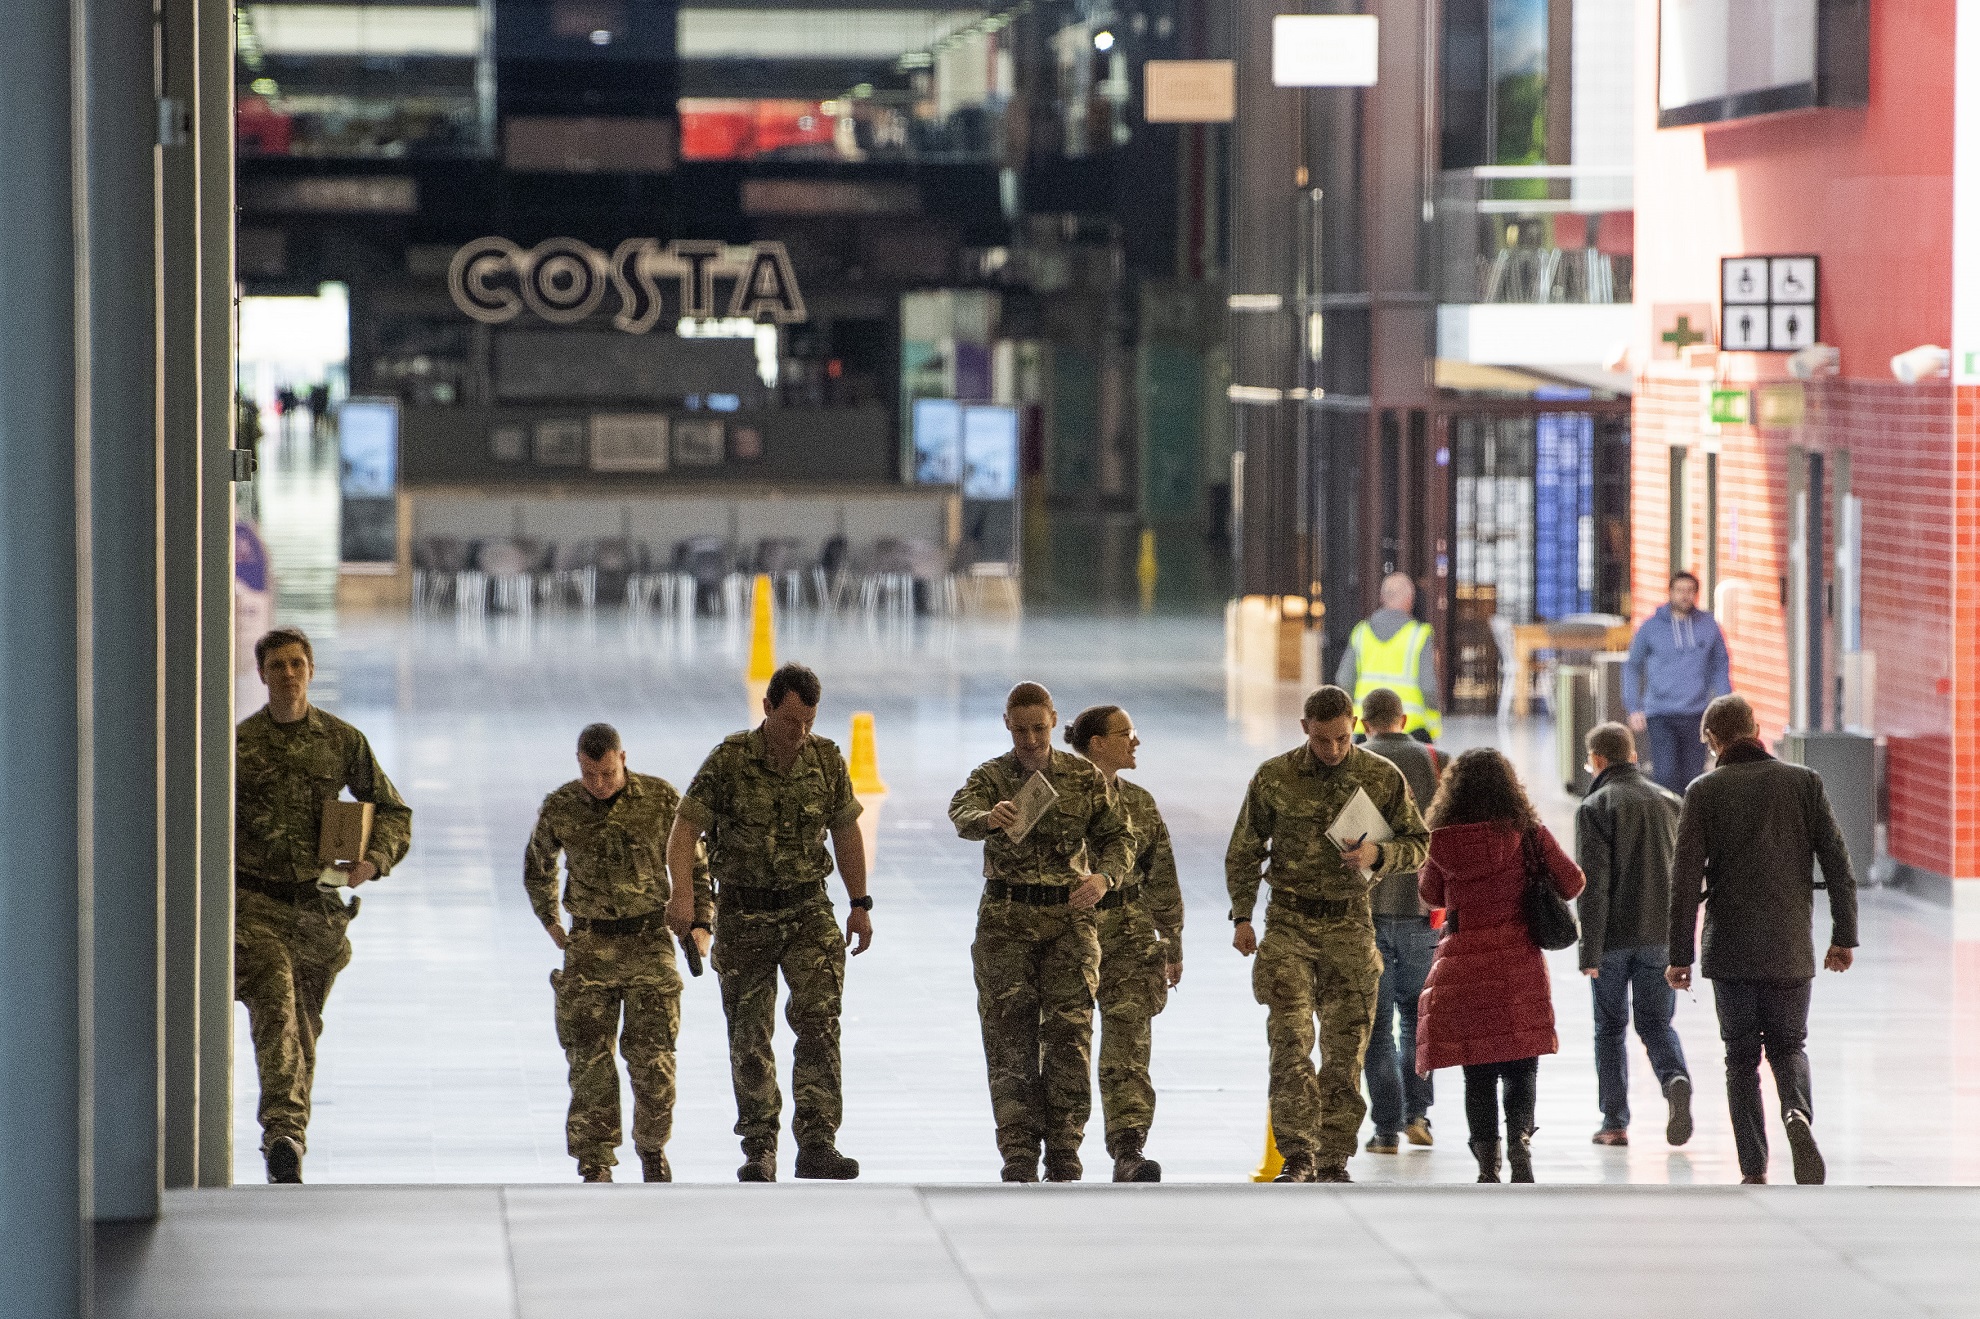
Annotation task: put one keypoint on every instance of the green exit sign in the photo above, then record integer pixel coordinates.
(1732, 407)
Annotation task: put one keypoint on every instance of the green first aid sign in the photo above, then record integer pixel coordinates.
(1732, 407)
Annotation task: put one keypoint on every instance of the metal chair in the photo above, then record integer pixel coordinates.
(708, 563)
(506, 565)
(782, 558)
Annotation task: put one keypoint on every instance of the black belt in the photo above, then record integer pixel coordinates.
(756, 901)
(292, 893)
(1031, 895)
(639, 924)
(1319, 908)
(1119, 897)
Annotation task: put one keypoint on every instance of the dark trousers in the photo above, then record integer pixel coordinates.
(1632, 973)
(1769, 1016)
(1521, 1078)
(1677, 755)
(1396, 1094)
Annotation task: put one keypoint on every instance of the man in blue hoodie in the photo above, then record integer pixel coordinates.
(1678, 665)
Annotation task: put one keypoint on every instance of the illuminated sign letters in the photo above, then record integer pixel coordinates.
(563, 281)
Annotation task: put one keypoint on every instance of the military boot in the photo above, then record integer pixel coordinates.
(758, 1167)
(825, 1163)
(1332, 1172)
(653, 1164)
(1063, 1166)
(1487, 1154)
(285, 1156)
(1299, 1168)
(1021, 1168)
(1519, 1156)
(594, 1172)
(1130, 1165)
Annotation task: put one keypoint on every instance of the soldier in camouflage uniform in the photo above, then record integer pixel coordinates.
(289, 933)
(611, 826)
(1140, 945)
(1037, 949)
(1318, 957)
(766, 799)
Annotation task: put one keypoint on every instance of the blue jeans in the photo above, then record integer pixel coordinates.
(1396, 1094)
(1677, 755)
(1638, 973)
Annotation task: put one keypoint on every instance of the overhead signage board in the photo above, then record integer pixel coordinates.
(564, 281)
(1324, 50)
(1189, 91)
(1768, 304)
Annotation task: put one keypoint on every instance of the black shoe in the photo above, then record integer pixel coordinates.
(1383, 1143)
(1487, 1154)
(1519, 1157)
(1130, 1165)
(594, 1172)
(1678, 1093)
(824, 1163)
(1332, 1172)
(1299, 1168)
(1809, 1169)
(1021, 1168)
(653, 1164)
(759, 1168)
(284, 1155)
(1063, 1166)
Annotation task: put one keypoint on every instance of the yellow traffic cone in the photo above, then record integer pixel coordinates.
(763, 632)
(863, 764)
(1270, 1166)
(1146, 570)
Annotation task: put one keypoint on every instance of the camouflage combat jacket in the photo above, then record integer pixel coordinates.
(284, 773)
(1084, 827)
(1154, 864)
(615, 853)
(766, 829)
(1283, 824)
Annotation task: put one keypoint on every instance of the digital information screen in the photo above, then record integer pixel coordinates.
(1727, 59)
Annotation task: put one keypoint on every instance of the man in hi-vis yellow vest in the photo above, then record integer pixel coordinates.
(1390, 648)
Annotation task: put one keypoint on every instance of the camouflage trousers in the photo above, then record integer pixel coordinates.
(1328, 969)
(618, 991)
(1132, 993)
(285, 960)
(1037, 970)
(806, 946)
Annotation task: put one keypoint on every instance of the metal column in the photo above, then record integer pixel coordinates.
(214, 125)
(121, 132)
(44, 624)
(179, 411)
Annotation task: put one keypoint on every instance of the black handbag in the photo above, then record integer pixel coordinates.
(1549, 919)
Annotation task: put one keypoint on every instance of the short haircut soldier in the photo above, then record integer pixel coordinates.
(1382, 708)
(597, 740)
(1028, 693)
(1612, 742)
(1329, 703)
(280, 637)
(795, 679)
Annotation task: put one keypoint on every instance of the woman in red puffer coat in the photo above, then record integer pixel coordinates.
(1487, 1006)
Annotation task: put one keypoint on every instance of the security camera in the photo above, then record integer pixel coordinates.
(1817, 359)
(1925, 362)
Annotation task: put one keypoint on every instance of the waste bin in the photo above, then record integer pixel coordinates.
(1574, 715)
(1609, 708)
(1847, 763)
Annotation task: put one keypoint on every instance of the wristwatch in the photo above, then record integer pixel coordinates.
(863, 903)
(702, 925)
(1240, 920)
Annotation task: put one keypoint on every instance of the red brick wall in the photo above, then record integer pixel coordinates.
(1902, 450)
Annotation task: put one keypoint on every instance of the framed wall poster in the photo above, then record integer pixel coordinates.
(508, 444)
(629, 442)
(697, 442)
(745, 444)
(560, 444)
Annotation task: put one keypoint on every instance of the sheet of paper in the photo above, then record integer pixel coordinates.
(1359, 822)
(1032, 801)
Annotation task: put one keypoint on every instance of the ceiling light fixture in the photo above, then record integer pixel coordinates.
(1103, 41)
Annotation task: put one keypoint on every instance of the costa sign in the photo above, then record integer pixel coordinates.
(564, 281)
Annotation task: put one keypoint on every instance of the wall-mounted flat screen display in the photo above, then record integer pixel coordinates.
(989, 453)
(1727, 59)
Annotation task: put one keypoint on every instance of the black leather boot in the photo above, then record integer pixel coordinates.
(1487, 1154)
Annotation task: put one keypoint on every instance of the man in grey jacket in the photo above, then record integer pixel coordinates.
(1625, 834)
(1748, 841)
(1398, 1099)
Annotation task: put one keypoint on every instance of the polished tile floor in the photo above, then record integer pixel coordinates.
(439, 1062)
